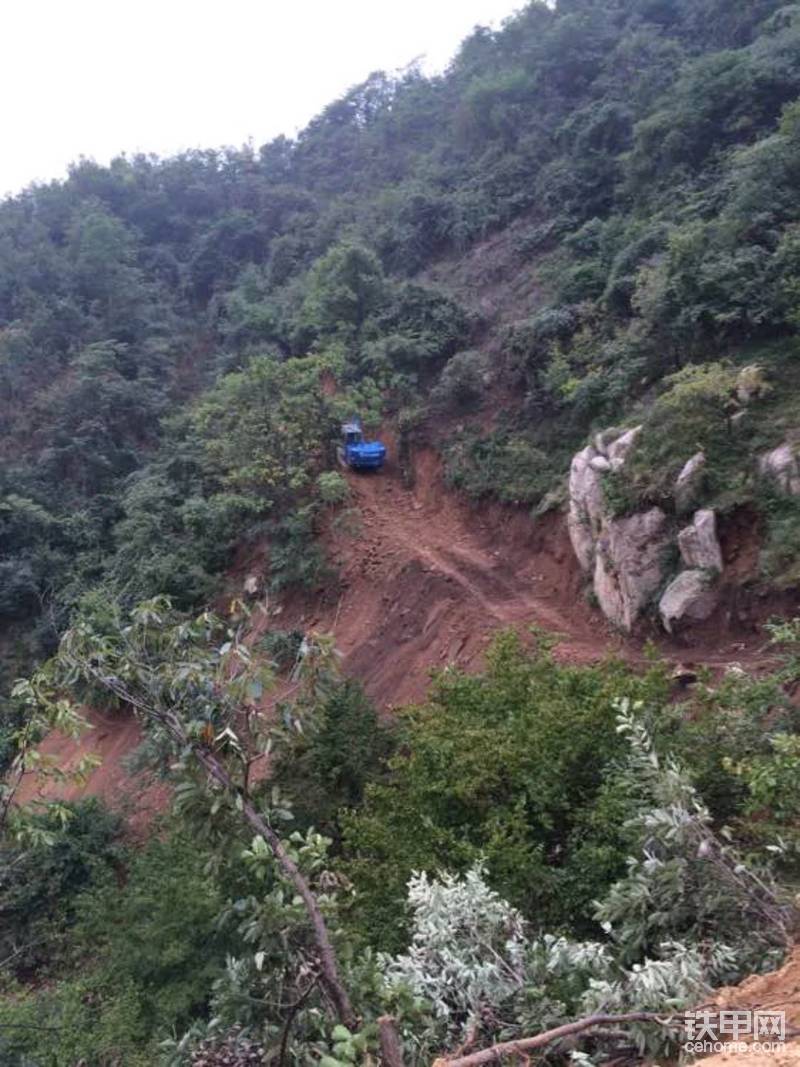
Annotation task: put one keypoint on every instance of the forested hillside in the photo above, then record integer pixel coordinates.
(590, 220)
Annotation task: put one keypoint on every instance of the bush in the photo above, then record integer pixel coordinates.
(327, 767)
(332, 488)
(505, 464)
(147, 952)
(39, 887)
(282, 647)
(463, 381)
(506, 766)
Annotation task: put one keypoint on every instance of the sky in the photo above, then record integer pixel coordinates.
(99, 77)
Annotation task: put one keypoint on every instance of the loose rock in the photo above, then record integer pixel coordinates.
(689, 598)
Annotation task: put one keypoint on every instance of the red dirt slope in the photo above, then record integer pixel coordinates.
(778, 991)
(425, 581)
(112, 738)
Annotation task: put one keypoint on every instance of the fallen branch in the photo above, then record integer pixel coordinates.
(528, 1044)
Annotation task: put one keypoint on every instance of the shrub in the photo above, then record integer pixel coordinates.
(332, 488)
(463, 381)
(282, 646)
(504, 765)
(327, 766)
(504, 464)
(39, 887)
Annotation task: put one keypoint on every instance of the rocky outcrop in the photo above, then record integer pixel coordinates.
(691, 597)
(628, 565)
(782, 465)
(618, 450)
(698, 543)
(585, 506)
(625, 557)
(751, 384)
(688, 481)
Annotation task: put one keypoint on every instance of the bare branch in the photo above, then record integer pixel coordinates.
(528, 1044)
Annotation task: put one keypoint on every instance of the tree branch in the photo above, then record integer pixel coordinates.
(391, 1048)
(527, 1044)
(216, 770)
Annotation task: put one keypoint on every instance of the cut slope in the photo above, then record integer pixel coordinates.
(425, 581)
(112, 738)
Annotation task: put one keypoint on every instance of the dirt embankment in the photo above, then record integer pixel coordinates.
(778, 991)
(425, 580)
(112, 738)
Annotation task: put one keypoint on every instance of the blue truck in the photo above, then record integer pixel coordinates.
(358, 454)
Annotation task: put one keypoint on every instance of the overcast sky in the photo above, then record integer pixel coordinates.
(99, 77)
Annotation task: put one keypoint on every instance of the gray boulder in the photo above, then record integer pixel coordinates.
(688, 480)
(698, 543)
(605, 438)
(618, 450)
(690, 598)
(252, 585)
(585, 506)
(628, 565)
(600, 464)
(782, 465)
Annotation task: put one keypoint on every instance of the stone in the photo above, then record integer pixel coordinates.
(585, 506)
(688, 480)
(605, 439)
(683, 675)
(782, 465)
(628, 565)
(600, 464)
(618, 451)
(689, 598)
(698, 543)
(735, 670)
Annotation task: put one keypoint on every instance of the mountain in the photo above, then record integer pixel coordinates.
(562, 282)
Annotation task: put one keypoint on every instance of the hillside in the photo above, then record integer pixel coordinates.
(424, 580)
(499, 736)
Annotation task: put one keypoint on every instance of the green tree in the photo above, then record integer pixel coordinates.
(344, 288)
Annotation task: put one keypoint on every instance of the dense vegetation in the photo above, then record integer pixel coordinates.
(633, 855)
(179, 339)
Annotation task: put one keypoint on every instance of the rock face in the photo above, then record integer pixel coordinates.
(585, 506)
(782, 465)
(618, 450)
(622, 555)
(690, 598)
(628, 565)
(625, 556)
(688, 480)
(698, 544)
